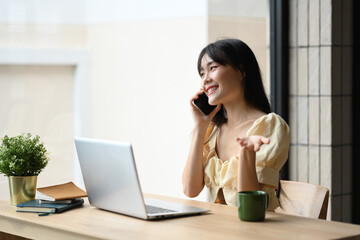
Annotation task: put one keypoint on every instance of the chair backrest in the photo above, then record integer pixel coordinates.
(303, 199)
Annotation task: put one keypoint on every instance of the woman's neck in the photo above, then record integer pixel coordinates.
(240, 112)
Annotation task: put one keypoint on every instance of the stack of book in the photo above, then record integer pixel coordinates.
(54, 199)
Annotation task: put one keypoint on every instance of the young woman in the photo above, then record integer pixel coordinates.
(240, 145)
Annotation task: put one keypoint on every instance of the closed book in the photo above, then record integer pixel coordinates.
(38, 206)
(60, 192)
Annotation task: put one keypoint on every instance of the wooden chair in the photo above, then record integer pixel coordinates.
(303, 199)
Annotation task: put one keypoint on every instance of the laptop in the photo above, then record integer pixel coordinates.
(112, 182)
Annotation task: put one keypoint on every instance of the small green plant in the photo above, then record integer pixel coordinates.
(22, 155)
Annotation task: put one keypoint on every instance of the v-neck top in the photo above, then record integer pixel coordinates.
(269, 160)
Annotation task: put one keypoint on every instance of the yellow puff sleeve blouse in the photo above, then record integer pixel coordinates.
(269, 160)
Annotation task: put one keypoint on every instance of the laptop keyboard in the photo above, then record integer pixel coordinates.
(154, 210)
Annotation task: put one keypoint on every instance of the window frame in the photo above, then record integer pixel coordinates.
(279, 67)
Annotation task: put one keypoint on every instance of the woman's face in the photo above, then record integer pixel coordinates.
(221, 83)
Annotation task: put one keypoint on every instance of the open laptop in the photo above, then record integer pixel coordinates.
(112, 182)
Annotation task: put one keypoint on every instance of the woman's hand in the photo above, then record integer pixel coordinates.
(200, 119)
(247, 178)
(252, 143)
(193, 175)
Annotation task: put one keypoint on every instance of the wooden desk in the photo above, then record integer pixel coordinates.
(221, 223)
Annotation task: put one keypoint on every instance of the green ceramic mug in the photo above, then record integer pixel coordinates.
(252, 205)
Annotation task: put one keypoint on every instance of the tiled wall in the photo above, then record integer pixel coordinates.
(320, 54)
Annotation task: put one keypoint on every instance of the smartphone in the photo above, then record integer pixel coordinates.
(202, 103)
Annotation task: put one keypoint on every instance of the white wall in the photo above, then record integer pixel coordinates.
(85, 12)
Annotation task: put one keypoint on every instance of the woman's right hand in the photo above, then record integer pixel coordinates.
(200, 119)
(193, 175)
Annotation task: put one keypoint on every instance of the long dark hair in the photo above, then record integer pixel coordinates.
(237, 54)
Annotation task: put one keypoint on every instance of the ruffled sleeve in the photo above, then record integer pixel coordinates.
(271, 157)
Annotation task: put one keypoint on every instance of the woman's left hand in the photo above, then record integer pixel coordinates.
(252, 143)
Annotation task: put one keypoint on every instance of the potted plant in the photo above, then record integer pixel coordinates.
(22, 158)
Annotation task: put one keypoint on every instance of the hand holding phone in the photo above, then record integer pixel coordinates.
(202, 103)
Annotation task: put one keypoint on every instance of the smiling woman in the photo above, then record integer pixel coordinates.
(240, 145)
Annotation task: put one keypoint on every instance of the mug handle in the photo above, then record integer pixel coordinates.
(267, 201)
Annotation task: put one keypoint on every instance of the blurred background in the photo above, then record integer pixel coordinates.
(118, 70)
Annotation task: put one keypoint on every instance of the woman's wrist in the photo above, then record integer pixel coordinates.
(248, 155)
(199, 130)
(198, 135)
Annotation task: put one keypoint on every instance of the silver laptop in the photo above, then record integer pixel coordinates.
(112, 182)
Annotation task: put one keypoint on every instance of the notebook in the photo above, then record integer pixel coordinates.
(38, 206)
(62, 192)
(112, 183)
